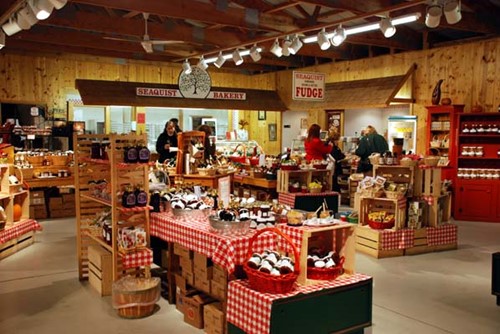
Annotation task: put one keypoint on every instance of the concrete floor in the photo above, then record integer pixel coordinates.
(446, 292)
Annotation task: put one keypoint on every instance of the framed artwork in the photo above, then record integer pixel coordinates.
(273, 135)
(303, 123)
(262, 115)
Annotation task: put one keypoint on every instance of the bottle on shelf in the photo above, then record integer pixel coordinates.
(128, 197)
(141, 197)
(143, 152)
(131, 154)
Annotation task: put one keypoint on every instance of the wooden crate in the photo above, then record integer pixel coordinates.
(15, 245)
(427, 181)
(397, 174)
(304, 177)
(397, 207)
(339, 238)
(420, 244)
(100, 269)
(439, 210)
(368, 241)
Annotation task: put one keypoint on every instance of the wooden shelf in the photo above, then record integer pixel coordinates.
(135, 209)
(476, 135)
(99, 240)
(100, 200)
(479, 158)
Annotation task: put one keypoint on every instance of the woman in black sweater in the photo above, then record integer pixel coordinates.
(166, 140)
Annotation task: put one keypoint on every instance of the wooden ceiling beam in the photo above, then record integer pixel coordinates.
(8, 8)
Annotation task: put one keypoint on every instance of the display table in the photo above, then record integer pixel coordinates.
(17, 236)
(342, 305)
(50, 182)
(199, 180)
(310, 201)
(255, 181)
(194, 233)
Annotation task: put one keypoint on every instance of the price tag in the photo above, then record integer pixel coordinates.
(32, 137)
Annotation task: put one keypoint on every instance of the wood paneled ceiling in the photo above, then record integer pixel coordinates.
(115, 28)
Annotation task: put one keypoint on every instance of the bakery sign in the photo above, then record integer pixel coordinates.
(168, 92)
(308, 86)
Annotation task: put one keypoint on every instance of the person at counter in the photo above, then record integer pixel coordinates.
(166, 141)
(177, 127)
(209, 145)
(370, 143)
(338, 155)
(315, 148)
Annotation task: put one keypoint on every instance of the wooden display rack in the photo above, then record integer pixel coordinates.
(369, 241)
(15, 245)
(302, 176)
(340, 238)
(118, 174)
(397, 207)
(439, 210)
(427, 181)
(397, 174)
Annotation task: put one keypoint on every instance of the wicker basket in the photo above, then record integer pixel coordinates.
(394, 194)
(371, 192)
(268, 283)
(207, 171)
(326, 273)
(431, 161)
(59, 160)
(135, 297)
(35, 160)
(408, 162)
(315, 190)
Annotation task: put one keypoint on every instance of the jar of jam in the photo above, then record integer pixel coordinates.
(143, 152)
(141, 197)
(128, 198)
(130, 154)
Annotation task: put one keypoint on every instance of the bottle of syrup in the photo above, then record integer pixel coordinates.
(141, 197)
(128, 198)
(131, 154)
(143, 152)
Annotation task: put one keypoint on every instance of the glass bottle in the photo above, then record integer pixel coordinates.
(143, 152)
(131, 154)
(128, 198)
(141, 197)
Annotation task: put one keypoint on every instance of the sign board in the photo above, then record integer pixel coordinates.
(224, 190)
(308, 86)
(163, 92)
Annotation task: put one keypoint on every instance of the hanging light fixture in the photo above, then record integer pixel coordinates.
(58, 4)
(237, 58)
(26, 17)
(186, 67)
(296, 45)
(255, 53)
(41, 8)
(276, 49)
(219, 61)
(338, 36)
(285, 47)
(323, 40)
(11, 27)
(202, 63)
(2, 39)
(433, 16)
(387, 28)
(452, 11)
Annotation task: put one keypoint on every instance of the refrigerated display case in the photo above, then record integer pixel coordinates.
(402, 130)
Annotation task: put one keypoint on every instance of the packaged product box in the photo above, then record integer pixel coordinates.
(186, 264)
(182, 251)
(180, 296)
(214, 319)
(219, 274)
(61, 213)
(193, 309)
(218, 290)
(201, 262)
(201, 283)
(189, 276)
(37, 194)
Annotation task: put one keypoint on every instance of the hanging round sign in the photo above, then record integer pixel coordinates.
(196, 84)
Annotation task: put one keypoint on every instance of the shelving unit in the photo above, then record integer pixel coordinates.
(442, 126)
(118, 174)
(478, 193)
(303, 177)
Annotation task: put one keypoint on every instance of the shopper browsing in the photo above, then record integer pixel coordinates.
(370, 143)
(338, 155)
(209, 144)
(166, 143)
(315, 148)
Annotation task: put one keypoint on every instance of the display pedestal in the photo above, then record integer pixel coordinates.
(310, 201)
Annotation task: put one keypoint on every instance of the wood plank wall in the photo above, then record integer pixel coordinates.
(469, 72)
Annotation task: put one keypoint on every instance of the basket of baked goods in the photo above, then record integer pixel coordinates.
(323, 265)
(431, 160)
(271, 272)
(395, 190)
(381, 220)
(135, 297)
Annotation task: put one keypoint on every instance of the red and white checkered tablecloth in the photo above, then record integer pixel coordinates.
(289, 198)
(139, 258)
(250, 310)
(442, 235)
(195, 234)
(400, 239)
(18, 229)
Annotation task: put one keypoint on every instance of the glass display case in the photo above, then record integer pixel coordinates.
(298, 148)
(244, 148)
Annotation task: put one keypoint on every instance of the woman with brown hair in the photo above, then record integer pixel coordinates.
(208, 145)
(315, 148)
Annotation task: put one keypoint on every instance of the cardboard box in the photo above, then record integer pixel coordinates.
(182, 251)
(180, 296)
(219, 274)
(186, 264)
(181, 283)
(61, 213)
(218, 290)
(37, 201)
(37, 194)
(68, 198)
(55, 203)
(189, 276)
(164, 258)
(193, 309)
(201, 261)
(214, 319)
(201, 283)
(38, 212)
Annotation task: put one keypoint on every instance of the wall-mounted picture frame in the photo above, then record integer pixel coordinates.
(273, 132)
(262, 115)
(303, 123)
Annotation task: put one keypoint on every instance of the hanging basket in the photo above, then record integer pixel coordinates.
(436, 142)
(268, 283)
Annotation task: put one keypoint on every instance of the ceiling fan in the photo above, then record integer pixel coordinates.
(146, 42)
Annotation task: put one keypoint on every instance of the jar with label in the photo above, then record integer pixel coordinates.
(128, 198)
(478, 152)
(141, 197)
(143, 152)
(466, 128)
(130, 154)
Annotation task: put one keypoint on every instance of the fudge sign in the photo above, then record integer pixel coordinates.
(308, 86)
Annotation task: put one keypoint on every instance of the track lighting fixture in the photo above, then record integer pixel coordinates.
(186, 67)
(387, 27)
(323, 40)
(11, 27)
(2, 39)
(202, 63)
(26, 17)
(58, 4)
(276, 49)
(255, 53)
(41, 8)
(338, 36)
(285, 47)
(219, 61)
(452, 12)
(433, 16)
(296, 45)
(237, 58)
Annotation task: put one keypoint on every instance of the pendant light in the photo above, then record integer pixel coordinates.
(219, 61)
(433, 16)
(452, 11)
(296, 45)
(323, 41)
(255, 53)
(387, 28)
(338, 36)
(186, 67)
(237, 58)
(276, 49)
(42, 8)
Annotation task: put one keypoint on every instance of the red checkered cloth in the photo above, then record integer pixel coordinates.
(138, 258)
(250, 310)
(442, 235)
(289, 198)
(400, 239)
(18, 229)
(296, 235)
(194, 233)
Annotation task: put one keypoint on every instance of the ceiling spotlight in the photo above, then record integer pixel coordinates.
(387, 28)
(255, 53)
(237, 58)
(2, 39)
(452, 11)
(338, 36)
(323, 41)
(202, 63)
(58, 4)
(219, 61)
(433, 16)
(296, 45)
(186, 67)
(26, 18)
(42, 8)
(11, 27)
(285, 47)
(276, 49)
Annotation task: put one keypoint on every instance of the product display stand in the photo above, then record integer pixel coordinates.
(118, 174)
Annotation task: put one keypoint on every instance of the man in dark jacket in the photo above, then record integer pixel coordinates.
(370, 143)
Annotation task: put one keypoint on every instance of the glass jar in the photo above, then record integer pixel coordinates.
(460, 173)
(496, 174)
(465, 151)
(466, 128)
(473, 128)
(480, 128)
(478, 151)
